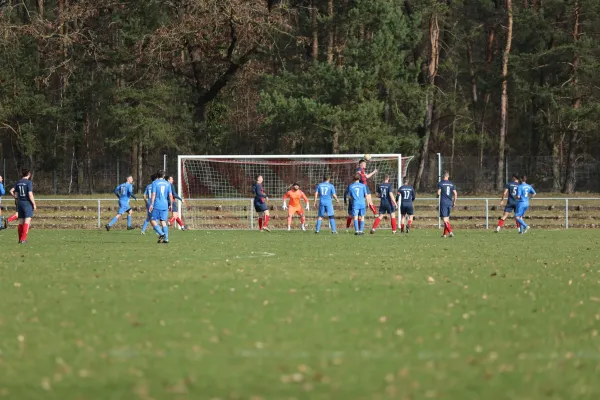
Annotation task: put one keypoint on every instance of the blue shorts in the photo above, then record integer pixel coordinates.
(445, 210)
(123, 208)
(25, 210)
(325, 209)
(386, 208)
(350, 208)
(159, 215)
(521, 209)
(407, 210)
(510, 207)
(358, 212)
(174, 206)
(148, 214)
(368, 190)
(261, 207)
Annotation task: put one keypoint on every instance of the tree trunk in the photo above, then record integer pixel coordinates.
(315, 31)
(472, 73)
(336, 141)
(570, 179)
(331, 33)
(134, 160)
(433, 138)
(140, 166)
(504, 98)
(432, 70)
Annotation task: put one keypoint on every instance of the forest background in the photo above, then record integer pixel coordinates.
(91, 90)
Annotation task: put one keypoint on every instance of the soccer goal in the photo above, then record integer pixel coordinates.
(218, 189)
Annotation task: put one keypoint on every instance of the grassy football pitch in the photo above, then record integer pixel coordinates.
(249, 315)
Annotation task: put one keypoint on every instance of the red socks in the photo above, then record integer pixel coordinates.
(409, 223)
(372, 207)
(394, 224)
(349, 222)
(518, 224)
(260, 223)
(13, 218)
(402, 226)
(376, 223)
(266, 220)
(501, 222)
(171, 220)
(23, 231)
(302, 219)
(447, 228)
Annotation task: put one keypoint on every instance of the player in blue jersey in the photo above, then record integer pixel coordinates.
(358, 195)
(175, 216)
(260, 204)
(524, 193)
(509, 193)
(406, 198)
(448, 195)
(324, 193)
(23, 194)
(160, 204)
(2, 193)
(124, 192)
(361, 170)
(147, 199)
(387, 205)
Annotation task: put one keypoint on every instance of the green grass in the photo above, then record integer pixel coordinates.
(245, 315)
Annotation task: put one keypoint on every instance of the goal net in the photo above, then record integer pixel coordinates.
(218, 189)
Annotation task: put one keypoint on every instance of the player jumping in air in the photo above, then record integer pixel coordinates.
(524, 193)
(509, 193)
(175, 207)
(323, 194)
(387, 205)
(160, 202)
(147, 199)
(2, 193)
(406, 197)
(448, 195)
(295, 195)
(260, 204)
(358, 195)
(124, 192)
(23, 194)
(363, 179)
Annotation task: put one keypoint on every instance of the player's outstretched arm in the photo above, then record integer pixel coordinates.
(372, 173)
(336, 198)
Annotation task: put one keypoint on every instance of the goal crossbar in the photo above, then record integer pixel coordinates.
(206, 187)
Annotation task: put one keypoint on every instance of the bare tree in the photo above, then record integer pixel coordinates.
(504, 97)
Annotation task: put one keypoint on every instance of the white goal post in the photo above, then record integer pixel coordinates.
(218, 189)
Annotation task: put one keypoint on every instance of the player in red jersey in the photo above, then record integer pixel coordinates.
(363, 179)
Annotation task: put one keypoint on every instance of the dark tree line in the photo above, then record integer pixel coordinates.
(83, 81)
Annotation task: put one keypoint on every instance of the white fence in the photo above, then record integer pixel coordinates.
(239, 213)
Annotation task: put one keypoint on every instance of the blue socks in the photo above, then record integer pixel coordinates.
(166, 231)
(113, 221)
(319, 222)
(362, 225)
(356, 225)
(128, 221)
(331, 224)
(145, 226)
(158, 230)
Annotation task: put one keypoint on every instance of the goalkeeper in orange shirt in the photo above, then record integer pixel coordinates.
(295, 195)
